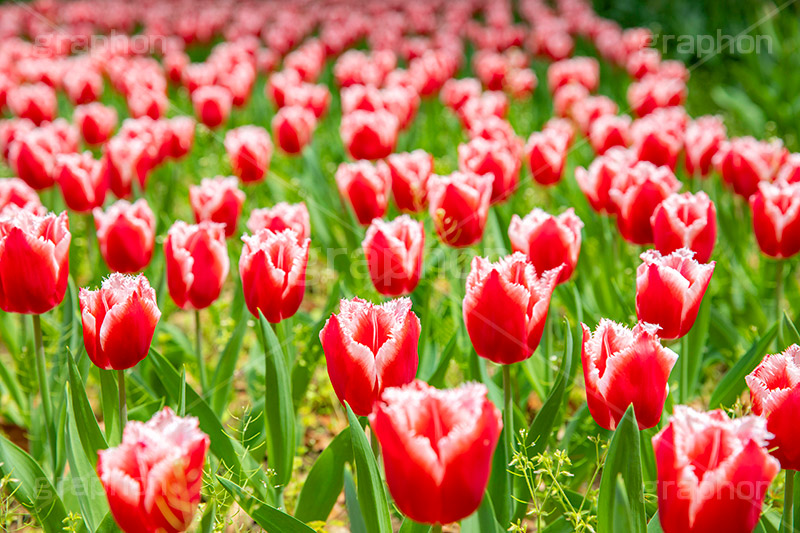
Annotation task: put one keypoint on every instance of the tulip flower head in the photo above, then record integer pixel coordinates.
(212, 105)
(197, 263)
(366, 188)
(82, 180)
(744, 162)
(279, 217)
(409, 176)
(126, 235)
(459, 206)
(218, 199)
(394, 254)
(776, 218)
(95, 122)
(548, 241)
(249, 149)
(369, 134)
(596, 182)
(292, 127)
(16, 193)
(686, 221)
(495, 158)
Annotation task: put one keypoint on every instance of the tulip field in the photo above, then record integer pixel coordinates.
(413, 266)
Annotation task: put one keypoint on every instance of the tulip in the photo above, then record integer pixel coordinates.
(317, 98)
(488, 104)
(119, 320)
(122, 164)
(36, 102)
(181, 136)
(505, 307)
(437, 448)
(636, 192)
(459, 206)
(369, 348)
(776, 218)
(95, 122)
(495, 158)
(212, 105)
(565, 98)
(197, 263)
(609, 131)
(789, 172)
(703, 138)
(126, 235)
(657, 140)
(32, 156)
(292, 127)
(656, 91)
(273, 272)
(16, 193)
(10, 129)
(596, 182)
(410, 172)
(584, 71)
(82, 181)
(281, 216)
(369, 134)
(686, 221)
(745, 162)
(366, 188)
(669, 290)
(249, 149)
(394, 254)
(456, 92)
(218, 200)
(584, 112)
(625, 367)
(547, 241)
(83, 85)
(546, 152)
(34, 260)
(153, 478)
(713, 472)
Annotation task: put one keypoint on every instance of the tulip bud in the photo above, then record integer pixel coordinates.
(584, 112)
(625, 367)
(686, 221)
(440, 478)
(657, 139)
(482, 156)
(122, 163)
(410, 172)
(218, 200)
(82, 180)
(273, 272)
(456, 92)
(370, 347)
(704, 135)
(279, 217)
(181, 136)
(95, 122)
(394, 254)
(505, 307)
(596, 182)
(249, 149)
(547, 241)
(197, 263)
(16, 193)
(743, 162)
(546, 152)
(713, 472)
(369, 134)
(776, 218)
(609, 131)
(36, 102)
(153, 478)
(32, 156)
(459, 206)
(669, 290)
(212, 105)
(365, 186)
(126, 235)
(34, 260)
(292, 127)
(584, 71)
(119, 320)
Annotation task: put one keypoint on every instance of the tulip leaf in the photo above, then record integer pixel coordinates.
(409, 526)
(622, 462)
(436, 379)
(108, 525)
(788, 332)
(354, 514)
(110, 403)
(732, 383)
(483, 520)
(90, 435)
(31, 487)
(223, 374)
(325, 481)
(266, 516)
(209, 518)
(696, 344)
(278, 406)
(371, 492)
(654, 526)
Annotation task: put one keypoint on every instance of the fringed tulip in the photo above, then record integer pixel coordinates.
(126, 235)
(744, 162)
(36, 102)
(212, 105)
(366, 187)
(394, 254)
(546, 153)
(776, 218)
(409, 175)
(249, 149)
(686, 221)
(369, 134)
(292, 127)
(548, 241)
(82, 180)
(197, 263)
(95, 122)
(16, 193)
(279, 217)
(494, 158)
(702, 140)
(609, 131)
(596, 182)
(218, 200)
(459, 206)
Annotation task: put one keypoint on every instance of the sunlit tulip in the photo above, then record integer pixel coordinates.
(686, 221)
(459, 206)
(82, 180)
(548, 241)
(776, 218)
(95, 122)
(365, 186)
(197, 263)
(249, 149)
(218, 199)
(394, 254)
(126, 235)
(409, 175)
(279, 217)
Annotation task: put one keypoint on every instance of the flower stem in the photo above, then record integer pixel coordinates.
(779, 290)
(436, 529)
(508, 414)
(44, 390)
(683, 387)
(199, 350)
(788, 503)
(123, 405)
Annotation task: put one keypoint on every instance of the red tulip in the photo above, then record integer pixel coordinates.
(584, 71)
(743, 162)
(36, 102)
(126, 235)
(657, 139)
(656, 91)
(32, 156)
(548, 241)
(153, 478)
(292, 127)
(686, 221)
(82, 85)
(197, 263)
(459, 206)
(366, 188)
(16, 193)
(249, 150)
(596, 182)
(10, 129)
(82, 180)
(713, 472)
(521, 82)
(704, 135)
(95, 122)
(636, 192)
(493, 158)
(410, 172)
(669, 290)
(584, 112)
(218, 200)
(279, 217)
(456, 92)
(437, 448)
(394, 254)
(609, 131)
(776, 218)
(273, 272)
(625, 367)
(119, 320)
(369, 134)
(370, 347)
(488, 104)
(789, 172)
(212, 105)
(181, 136)
(145, 102)
(505, 307)
(566, 97)
(122, 164)
(316, 98)
(546, 152)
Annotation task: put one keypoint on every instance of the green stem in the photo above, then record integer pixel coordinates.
(788, 503)
(44, 390)
(123, 404)
(199, 350)
(91, 237)
(436, 529)
(779, 290)
(508, 413)
(683, 386)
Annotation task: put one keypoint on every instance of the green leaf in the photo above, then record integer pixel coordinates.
(108, 525)
(90, 435)
(208, 520)
(325, 481)
(436, 379)
(110, 403)
(789, 332)
(371, 492)
(732, 383)
(278, 407)
(357, 524)
(266, 516)
(223, 374)
(654, 526)
(622, 461)
(696, 340)
(409, 526)
(482, 520)
(31, 487)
